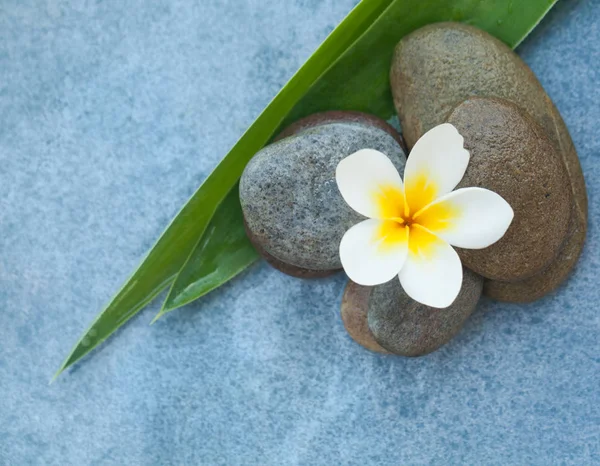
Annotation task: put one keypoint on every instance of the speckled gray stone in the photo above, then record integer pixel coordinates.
(290, 199)
(408, 328)
(440, 65)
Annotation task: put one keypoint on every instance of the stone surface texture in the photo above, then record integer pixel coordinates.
(512, 156)
(439, 66)
(408, 328)
(111, 114)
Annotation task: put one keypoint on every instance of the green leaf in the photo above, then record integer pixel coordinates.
(163, 262)
(222, 251)
(348, 71)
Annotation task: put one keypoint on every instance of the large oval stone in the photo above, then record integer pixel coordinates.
(512, 155)
(293, 210)
(408, 328)
(437, 67)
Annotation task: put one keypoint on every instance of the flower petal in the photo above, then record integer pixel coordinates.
(373, 252)
(435, 166)
(471, 218)
(432, 273)
(370, 184)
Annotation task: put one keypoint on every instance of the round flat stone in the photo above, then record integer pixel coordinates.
(293, 210)
(408, 328)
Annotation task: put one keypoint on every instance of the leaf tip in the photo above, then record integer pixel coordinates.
(157, 316)
(55, 376)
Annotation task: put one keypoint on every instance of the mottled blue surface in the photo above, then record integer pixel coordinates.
(111, 113)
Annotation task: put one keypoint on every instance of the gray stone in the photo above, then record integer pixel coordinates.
(290, 200)
(408, 328)
(288, 269)
(512, 155)
(440, 65)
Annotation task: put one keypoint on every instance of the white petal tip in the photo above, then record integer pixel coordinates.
(440, 155)
(435, 282)
(363, 173)
(482, 217)
(438, 304)
(366, 281)
(441, 299)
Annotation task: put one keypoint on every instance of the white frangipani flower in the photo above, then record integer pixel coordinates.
(412, 226)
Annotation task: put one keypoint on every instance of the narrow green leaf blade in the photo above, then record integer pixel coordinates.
(223, 251)
(359, 79)
(160, 267)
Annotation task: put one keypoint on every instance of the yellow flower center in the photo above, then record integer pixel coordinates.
(409, 217)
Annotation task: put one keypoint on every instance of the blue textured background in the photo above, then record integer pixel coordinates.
(111, 113)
